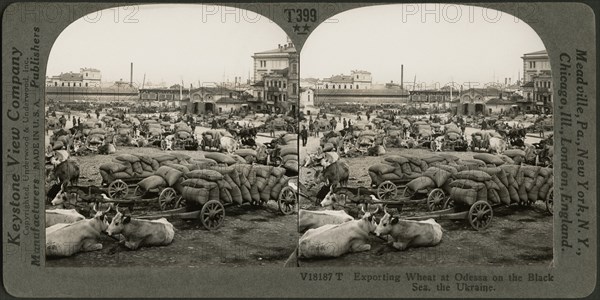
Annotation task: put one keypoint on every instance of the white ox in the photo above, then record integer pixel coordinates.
(498, 145)
(66, 240)
(229, 144)
(335, 240)
(309, 219)
(139, 233)
(408, 233)
(57, 216)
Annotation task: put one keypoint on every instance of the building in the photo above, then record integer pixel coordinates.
(473, 101)
(276, 78)
(217, 100)
(87, 77)
(499, 106)
(357, 79)
(537, 81)
(360, 96)
(307, 101)
(163, 97)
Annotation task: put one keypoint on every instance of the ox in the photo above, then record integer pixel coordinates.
(229, 144)
(139, 233)
(57, 216)
(496, 144)
(66, 240)
(309, 219)
(75, 193)
(334, 175)
(409, 233)
(335, 240)
(67, 171)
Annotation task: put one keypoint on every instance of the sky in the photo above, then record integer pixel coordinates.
(168, 43)
(475, 45)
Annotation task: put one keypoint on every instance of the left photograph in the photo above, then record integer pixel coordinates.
(171, 139)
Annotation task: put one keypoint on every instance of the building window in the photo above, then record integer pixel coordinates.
(80, 84)
(294, 89)
(345, 86)
(327, 86)
(350, 86)
(357, 86)
(308, 98)
(284, 85)
(356, 76)
(293, 68)
(86, 74)
(55, 83)
(86, 84)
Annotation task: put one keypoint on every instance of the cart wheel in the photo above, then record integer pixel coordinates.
(212, 214)
(139, 191)
(480, 215)
(449, 203)
(435, 200)
(387, 190)
(180, 202)
(287, 200)
(550, 201)
(117, 189)
(277, 161)
(167, 199)
(408, 192)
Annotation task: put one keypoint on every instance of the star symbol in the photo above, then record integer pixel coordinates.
(296, 28)
(306, 27)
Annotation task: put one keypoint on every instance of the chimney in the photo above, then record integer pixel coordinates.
(131, 76)
(401, 76)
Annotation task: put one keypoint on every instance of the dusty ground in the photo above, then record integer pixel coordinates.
(516, 235)
(250, 236)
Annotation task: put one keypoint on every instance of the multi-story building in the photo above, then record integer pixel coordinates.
(276, 78)
(87, 77)
(357, 80)
(537, 81)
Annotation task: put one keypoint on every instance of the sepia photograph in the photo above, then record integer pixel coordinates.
(171, 139)
(427, 140)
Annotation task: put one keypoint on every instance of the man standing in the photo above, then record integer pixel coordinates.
(304, 135)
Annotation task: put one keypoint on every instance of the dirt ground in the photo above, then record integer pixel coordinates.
(516, 235)
(250, 236)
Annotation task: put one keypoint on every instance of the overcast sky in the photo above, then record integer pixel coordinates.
(379, 39)
(169, 42)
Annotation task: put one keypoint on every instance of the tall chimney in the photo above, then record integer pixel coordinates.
(401, 76)
(131, 76)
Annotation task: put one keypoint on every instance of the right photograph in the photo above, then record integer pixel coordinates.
(426, 139)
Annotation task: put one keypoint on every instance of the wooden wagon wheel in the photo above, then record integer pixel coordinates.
(480, 215)
(212, 214)
(139, 191)
(167, 199)
(550, 201)
(408, 192)
(449, 203)
(287, 200)
(117, 189)
(387, 190)
(180, 202)
(435, 200)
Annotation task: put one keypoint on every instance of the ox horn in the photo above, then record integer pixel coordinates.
(94, 207)
(117, 208)
(376, 210)
(362, 208)
(385, 209)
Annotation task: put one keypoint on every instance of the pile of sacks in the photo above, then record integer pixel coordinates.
(516, 155)
(423, 129)
(330, 140)
(154, 129)
(289, 152)
(183, 131)
(365, 137)
(402, 168)
(239, 183)
(506, 184)
(452, 131)
(129, 166)
(96, 136)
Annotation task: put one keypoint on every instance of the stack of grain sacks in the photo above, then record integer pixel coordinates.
(330, 140)
(124, 132)
(238, 183)
(516, 155)
(453, 133)
(289, 152)
(249, 155)
(183, 131)
(366, 138)
(96, 136)
(129, 166)
(403, 168)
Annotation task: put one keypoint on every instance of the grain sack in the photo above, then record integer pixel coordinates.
(210, 175)
(512, 181)
(448, 168)
(415, 168)
(246, 152)
(489, 158)
(286, 151)
(545, 172)
(245, 194)
(522, 193)
(530, 171)
(502, 191)
(152, 182)
(482, 194)
(121, 175)
(214, 193)
(128, 158)
(528, 183)
(406, 169)
(276, 190)
(424, 165)
(58, 145)
(181, 156)
(255, 193)
(390, 176)
(163, 157)
(99, 131)
(399, 172)
(532, 194)
(432, 159)
(265, 194)
(464, 196)
(543, 192)
(421, 183)
(506, 159)
(137, 167)
(328, 147)
(169, 174)
(511, 169)
(473, 162)
(288, 157)
(514, 152)
(382, 169)
(491, 184)
(448, 157)
(224, 184)
(203, 163)
(514, 194)
(438, 175)
(260, 183)
(396, 159)
(113, 167)
(106, 177)
(262, 171)
(539, 181)
(493, 197)
(225, 196)
(220, 158)
(291, 165)
(473, 175)
(277, 172)
(467, 184)
(197, 196)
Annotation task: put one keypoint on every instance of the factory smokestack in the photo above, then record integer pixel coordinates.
(401, 76)
(131, 76)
